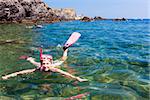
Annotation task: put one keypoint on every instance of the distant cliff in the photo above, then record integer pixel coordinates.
(21, 10)
(66, 13)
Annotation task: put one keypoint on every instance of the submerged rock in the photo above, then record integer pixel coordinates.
(39, 26)
(11, 42)
(7, 98)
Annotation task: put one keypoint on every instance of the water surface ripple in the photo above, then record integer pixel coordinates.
(113, 56)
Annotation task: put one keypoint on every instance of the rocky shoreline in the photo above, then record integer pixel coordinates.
(32, 11)
(88, 19)
(36, 11)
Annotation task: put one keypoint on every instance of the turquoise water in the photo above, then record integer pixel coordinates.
(113, 56)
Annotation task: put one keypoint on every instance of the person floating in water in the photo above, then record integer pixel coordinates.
(46, 64)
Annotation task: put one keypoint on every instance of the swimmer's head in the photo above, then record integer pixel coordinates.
(45, 59)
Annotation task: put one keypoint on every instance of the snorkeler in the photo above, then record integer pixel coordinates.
(47, 64)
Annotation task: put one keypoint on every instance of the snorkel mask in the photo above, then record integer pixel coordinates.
(45, 57)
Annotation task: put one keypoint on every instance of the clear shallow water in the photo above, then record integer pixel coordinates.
(114, 56)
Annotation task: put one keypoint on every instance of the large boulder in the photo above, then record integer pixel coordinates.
(120, 19)
(19, 9)
(10, 10)
(86, 19)
(98, 18)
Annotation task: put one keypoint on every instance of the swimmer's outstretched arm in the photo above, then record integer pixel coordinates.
(67, 74)
(18, 73)
(61, 61)
(32, 60)
(65, 55)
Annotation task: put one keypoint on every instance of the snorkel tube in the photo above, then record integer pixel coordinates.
(41, 55)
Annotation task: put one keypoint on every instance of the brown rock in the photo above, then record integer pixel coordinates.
(25, 10)
(86, 19)
(99, 18)
(119, 19)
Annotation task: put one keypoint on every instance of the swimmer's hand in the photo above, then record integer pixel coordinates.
(30, 59)
(81, 80)
(4, 77)
(24, 57)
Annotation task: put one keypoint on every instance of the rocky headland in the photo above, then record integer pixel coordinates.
(32, 11)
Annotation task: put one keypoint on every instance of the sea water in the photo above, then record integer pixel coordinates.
(112, 55)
